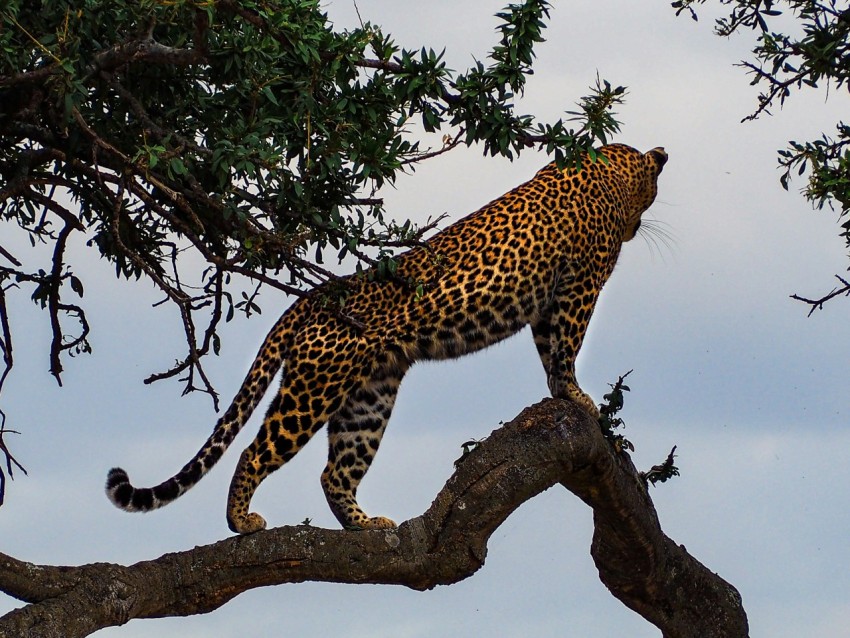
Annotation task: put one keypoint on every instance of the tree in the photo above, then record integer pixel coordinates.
(233, 132)
(816, 55)
(254, 136)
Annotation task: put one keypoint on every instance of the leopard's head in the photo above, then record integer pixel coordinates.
(643, 184)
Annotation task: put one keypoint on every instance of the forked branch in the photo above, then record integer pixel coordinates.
(549, 443)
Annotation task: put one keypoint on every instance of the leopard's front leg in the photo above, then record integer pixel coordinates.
(563, 385)
(559, 333)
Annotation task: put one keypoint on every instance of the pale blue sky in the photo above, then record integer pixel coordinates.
(726, 367)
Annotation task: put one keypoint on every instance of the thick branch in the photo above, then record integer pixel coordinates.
(549, 443)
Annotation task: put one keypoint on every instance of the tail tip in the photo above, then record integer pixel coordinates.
(118, 488)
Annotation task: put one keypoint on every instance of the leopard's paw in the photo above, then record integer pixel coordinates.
(247, 524)
(583, 399)
(381, 522)
(375, 522)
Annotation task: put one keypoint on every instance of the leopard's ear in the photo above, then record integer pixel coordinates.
(659, 156)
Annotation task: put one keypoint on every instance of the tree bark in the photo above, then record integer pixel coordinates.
(549, 443)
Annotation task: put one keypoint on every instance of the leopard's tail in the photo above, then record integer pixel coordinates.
(268, 361)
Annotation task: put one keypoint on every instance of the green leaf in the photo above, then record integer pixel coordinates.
(177, 166)
(76, 286)
(270, 96)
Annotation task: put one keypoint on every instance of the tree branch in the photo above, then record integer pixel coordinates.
(145, 50)
(53, 299)
(549, 443)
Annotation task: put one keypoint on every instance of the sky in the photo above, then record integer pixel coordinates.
(726, 367)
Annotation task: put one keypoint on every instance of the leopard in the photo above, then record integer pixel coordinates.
(537, 256)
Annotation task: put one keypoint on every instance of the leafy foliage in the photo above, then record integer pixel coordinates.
(816, 56)
(250, 134)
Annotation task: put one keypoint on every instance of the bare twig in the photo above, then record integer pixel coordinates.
(817, 304)
(9, 256)
(10, 460)
(8, 362)
(449, 143)
(177, 295)
(778, 88)
(80, 340)
(5, 339)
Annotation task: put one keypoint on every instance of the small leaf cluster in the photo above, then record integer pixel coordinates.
(828, 162)
(608, 421)
(663, 472)
(467, 448)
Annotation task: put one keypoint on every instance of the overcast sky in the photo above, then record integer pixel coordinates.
(726, 367)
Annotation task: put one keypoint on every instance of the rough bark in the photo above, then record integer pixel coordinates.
(549, 443)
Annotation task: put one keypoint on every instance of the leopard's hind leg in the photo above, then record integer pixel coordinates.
(354, 434)
(325, 365)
